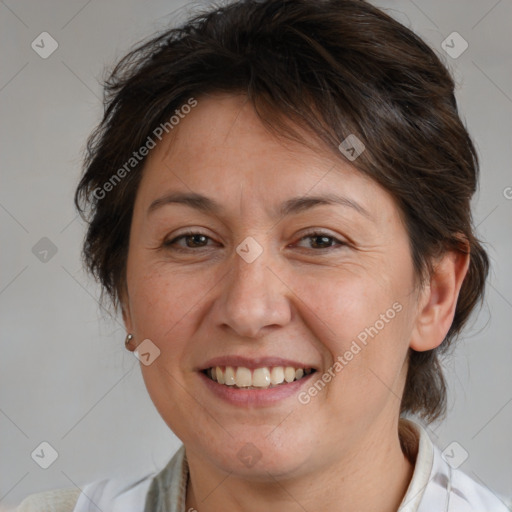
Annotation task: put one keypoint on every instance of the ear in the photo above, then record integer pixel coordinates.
(438, 300)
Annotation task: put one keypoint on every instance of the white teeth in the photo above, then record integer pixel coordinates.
(289, 374)
(277, 375)
(229, 376)
(243, 377)
(262, 378)
(219, 375)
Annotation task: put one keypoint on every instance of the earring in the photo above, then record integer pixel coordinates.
(129, 337)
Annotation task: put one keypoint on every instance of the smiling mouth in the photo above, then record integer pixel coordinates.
(239, 377)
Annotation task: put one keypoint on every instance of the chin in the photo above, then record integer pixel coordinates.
(258, 457)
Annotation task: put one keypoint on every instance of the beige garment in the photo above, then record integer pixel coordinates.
(57, 500)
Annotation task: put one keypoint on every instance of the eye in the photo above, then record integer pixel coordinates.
(193, 240)
(197, 240)
(322, 240)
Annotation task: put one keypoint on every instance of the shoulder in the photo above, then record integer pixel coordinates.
(116, 494)
(108, 494)
(439, 484)
(58, 500)
(468, 494)
(461, 492)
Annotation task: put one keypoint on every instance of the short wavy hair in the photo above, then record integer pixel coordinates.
(333, 67)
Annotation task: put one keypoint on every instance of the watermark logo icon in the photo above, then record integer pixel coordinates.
(44, 250)
(249, 249)
(352, 147)
(454, 45)
(146, 352)
(44, 45)
(454, 455)
(44, 455)
(249, 454)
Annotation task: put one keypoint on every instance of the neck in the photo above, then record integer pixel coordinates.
(375, 475)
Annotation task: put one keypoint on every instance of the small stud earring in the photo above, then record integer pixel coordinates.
(129, 337)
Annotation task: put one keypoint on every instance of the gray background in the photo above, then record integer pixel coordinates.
(66, 378)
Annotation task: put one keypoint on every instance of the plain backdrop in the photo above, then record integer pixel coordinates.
(66, 378)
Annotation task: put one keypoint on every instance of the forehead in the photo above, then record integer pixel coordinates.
(225, 127)
(221, 148)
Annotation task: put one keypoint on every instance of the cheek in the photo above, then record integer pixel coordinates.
(163, 305)
(344, 304)
(162, 299)
(361, 319)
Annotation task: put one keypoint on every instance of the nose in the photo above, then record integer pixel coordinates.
(253, 298)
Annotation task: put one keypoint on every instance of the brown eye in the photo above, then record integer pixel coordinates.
(320, 240)
(192, 240)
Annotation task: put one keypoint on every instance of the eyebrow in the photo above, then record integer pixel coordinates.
(289, 207)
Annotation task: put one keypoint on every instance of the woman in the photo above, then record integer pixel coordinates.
(278, 200)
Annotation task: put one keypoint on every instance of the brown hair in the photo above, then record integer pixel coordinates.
(336, 67)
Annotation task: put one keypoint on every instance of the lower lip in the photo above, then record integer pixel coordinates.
(254, 397)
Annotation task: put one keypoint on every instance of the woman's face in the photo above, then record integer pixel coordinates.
(274, 277)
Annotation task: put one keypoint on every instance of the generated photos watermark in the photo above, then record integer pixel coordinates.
(355, 348)
(150, 143)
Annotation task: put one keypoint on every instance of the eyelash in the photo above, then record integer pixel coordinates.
(170, 243)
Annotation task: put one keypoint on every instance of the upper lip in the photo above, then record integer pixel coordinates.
(253, 363)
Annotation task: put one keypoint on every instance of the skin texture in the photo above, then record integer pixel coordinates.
(304, 299)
